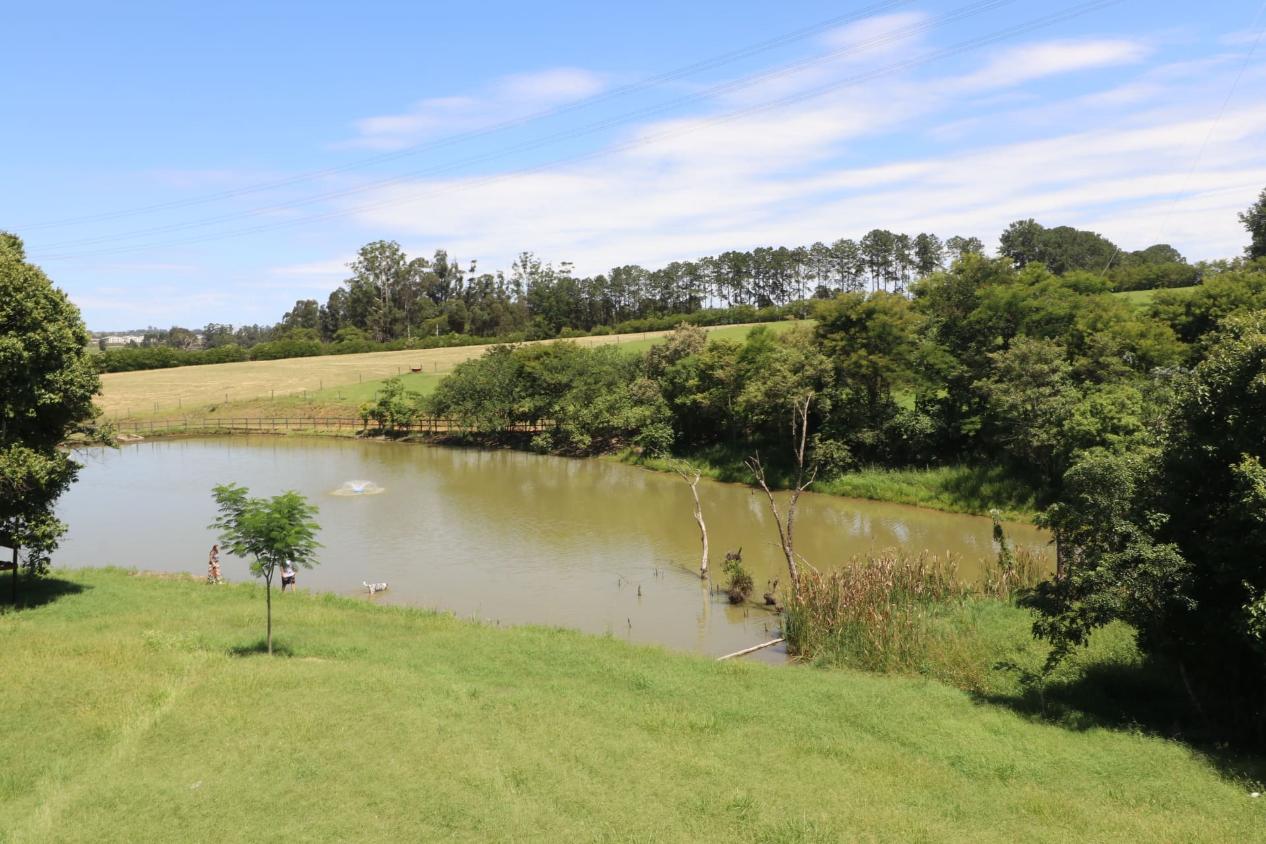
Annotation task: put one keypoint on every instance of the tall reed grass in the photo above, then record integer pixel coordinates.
(897, 613)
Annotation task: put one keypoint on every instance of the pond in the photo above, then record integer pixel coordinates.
(502, 536)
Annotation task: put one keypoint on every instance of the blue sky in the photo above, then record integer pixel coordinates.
(186, 163)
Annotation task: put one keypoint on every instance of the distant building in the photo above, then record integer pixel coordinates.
(114, 341)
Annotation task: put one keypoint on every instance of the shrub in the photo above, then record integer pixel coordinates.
(739, 584)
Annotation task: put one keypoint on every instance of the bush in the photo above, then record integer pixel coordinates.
(739, 583)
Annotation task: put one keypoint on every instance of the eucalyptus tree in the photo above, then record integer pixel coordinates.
(847, 265)
(877, 248)
(959, 247)
(929, 254)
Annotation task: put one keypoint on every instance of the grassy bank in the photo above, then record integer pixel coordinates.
(956, 489)
(135, 708)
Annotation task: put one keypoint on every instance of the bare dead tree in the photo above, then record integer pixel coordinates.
(805, 475)
(691, 475)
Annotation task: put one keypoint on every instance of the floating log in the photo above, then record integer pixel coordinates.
(752, 649)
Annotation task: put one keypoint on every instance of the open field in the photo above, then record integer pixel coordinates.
(1143, 298)
(250, 388)
(136, 708)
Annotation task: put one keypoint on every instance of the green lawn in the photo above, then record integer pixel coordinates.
(136, 709)
(957, 489)
(1143, 298)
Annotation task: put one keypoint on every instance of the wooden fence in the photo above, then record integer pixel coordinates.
(275, 425)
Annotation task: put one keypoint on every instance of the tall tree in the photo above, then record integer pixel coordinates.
(929, 254)
(1022, 242)
(1254, 219)
(1031, 398)
(49, 381)
(958, 247)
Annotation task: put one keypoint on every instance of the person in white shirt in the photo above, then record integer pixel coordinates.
(287, 576)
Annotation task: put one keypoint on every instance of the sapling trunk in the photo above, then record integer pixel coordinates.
(268, 599)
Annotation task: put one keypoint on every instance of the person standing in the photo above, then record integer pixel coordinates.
(287, 576)
(213, 565)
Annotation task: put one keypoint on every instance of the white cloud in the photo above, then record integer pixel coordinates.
(507, 98)
(311, 269)
(1029, 62)
(708, 187)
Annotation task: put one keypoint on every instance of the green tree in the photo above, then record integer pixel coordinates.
(268, 531)
(394, 407)
(1254, 220)
(1022, 242)
(1031, 399)
(1173, 539)
(872, 343)
(49, 381)
(959, 247)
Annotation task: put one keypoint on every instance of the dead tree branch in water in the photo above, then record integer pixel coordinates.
(805, 475)
(691, 475)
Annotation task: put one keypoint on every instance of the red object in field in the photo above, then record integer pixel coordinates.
(415, 369)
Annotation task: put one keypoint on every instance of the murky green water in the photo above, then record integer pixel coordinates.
(504, 536)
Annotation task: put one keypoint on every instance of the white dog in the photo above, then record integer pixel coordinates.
(374, 587)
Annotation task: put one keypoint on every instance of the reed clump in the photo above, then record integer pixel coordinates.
(876, 613)
(905, 614)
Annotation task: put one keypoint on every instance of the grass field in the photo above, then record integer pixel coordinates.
(327, 385)
(136, 708)
(955, 489)
(1143, 298)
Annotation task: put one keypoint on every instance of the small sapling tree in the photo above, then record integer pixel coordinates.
(267, 531)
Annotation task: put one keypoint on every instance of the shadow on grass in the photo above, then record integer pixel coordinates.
(1137, 697)
(37, 592)
(260, 648)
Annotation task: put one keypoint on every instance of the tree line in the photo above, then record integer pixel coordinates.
(396, 301)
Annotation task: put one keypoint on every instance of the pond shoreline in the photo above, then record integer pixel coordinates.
(917, 488)
(503, 534)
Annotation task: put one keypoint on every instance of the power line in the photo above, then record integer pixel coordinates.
(461, 137)
(890, 37)
(1163, 229)
(1195, 165)
(933, 56)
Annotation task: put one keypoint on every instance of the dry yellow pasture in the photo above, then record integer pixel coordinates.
(171, 391)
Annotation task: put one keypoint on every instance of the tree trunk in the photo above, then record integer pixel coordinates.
(15, 575)
(789, 548)
(691, 476)
(268, 599)
(703, 528)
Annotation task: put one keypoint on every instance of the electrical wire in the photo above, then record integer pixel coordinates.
(473, 134)
(928, 58)
(887, 38)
